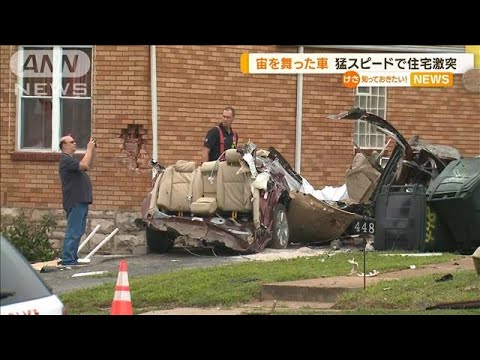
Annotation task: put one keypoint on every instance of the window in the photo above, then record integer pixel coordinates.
(54, 96)
(374, 100)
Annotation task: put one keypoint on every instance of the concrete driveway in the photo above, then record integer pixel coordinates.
(62, 281)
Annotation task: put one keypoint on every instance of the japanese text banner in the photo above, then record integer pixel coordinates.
(339, 63)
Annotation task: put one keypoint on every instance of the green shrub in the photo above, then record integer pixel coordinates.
(31, 237)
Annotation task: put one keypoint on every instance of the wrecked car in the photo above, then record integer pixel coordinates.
(255, 199)
(368, 195)
(240, 203)
(252, 200)
(427, 197)
(411, 162)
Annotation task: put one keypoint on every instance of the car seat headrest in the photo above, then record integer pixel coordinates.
(232, 156)
(185, 166)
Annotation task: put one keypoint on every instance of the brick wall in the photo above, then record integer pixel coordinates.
(327, 149)
(448, 116)
(121, 99)
(195, 83)
(7, 120)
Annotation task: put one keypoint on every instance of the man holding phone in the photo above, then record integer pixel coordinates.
(77, 194)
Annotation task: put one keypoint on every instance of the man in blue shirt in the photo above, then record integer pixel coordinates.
(77, 194)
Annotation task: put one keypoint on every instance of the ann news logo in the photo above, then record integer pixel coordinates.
(33, 65)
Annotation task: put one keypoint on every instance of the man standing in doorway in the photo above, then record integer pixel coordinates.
(220, 138)
(77, 194)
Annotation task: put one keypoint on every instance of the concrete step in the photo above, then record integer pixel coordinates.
(312, 290)
(328, 289)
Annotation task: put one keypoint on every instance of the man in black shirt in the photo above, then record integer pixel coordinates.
(220, 138)
(77, 194)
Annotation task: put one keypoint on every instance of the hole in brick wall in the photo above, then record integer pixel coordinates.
(134, 153)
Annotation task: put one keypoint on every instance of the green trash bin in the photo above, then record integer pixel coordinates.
(455, 198)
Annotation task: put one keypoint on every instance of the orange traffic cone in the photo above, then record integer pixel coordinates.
(122, 304)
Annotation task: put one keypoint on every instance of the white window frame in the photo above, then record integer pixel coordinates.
(56, 96)
(370, 129)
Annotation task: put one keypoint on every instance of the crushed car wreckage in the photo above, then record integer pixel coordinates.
(241, 205)
(427, 197)
(255, 199)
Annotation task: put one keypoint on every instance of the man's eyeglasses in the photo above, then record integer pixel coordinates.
(72, 142)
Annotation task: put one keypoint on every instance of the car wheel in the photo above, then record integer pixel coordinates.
(281, 232)
(158, 241)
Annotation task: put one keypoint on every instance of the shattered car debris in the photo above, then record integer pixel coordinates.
(312, 220)
(240, 203)
(255, 199)
(411, 162)
(426, 198)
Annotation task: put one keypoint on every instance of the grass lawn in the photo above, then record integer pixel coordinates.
(229, 285)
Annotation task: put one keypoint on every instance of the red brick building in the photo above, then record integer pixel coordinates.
(113, 101)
